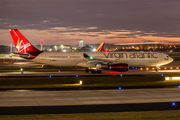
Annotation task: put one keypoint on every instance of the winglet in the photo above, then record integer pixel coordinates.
(85, 55)
(100, 48)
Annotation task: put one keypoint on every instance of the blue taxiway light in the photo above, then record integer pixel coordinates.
(162, 75)
(59, 71)
(119, 88)
(178, 86)
(121, 75)
(50, 76)
(132, 67)
(76, 75)
(135, 67)
(22, 72)
(173, 103)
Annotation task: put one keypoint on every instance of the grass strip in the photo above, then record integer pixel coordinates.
(143, 115)
(73, 82)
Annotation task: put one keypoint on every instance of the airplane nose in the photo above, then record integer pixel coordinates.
(171, 59)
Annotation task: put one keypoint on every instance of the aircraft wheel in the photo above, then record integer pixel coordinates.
(87, 70)
(93, 71)
(99, 71)
(157, 69)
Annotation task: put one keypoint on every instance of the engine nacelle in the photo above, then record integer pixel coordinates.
(119, 67)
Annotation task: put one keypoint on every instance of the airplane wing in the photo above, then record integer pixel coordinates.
(91, 63)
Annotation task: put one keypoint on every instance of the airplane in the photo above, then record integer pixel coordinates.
(100, 48)
(92, 61)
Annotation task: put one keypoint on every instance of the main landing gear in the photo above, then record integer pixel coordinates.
(93, 71)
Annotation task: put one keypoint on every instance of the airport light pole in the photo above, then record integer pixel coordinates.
(10, 46)
(41, 45)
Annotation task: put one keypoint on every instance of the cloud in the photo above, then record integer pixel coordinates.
(68, 40)
(92, 28)
(147, 40)
(94, 18)
(169, 41)
(88, 35)
(143, 15)
(115, 37)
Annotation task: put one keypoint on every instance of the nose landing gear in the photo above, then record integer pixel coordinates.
(157, 68)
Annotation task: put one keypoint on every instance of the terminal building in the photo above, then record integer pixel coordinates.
(152, 46)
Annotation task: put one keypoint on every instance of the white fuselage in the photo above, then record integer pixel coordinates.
(138, 59)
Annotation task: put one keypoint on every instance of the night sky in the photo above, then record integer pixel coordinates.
(94, 21)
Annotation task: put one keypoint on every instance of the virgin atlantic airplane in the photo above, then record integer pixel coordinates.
(92, 61)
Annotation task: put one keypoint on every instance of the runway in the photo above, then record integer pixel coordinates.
(87, 97)
(16, 101)
(83, 101)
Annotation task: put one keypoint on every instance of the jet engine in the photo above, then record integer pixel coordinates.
(119, 67)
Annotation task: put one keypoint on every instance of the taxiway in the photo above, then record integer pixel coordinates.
(174, 65)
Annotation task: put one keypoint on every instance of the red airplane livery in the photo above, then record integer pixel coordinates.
(117, 61)
(22, 44)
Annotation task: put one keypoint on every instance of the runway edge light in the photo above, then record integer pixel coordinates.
(173, 103)
(80, 82)
(172, 78)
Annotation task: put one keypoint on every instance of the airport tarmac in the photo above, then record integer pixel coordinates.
(87, 97)
(134, 71)
(83, 73)
(60, 101)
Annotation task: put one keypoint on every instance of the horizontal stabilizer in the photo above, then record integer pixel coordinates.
(24, 55)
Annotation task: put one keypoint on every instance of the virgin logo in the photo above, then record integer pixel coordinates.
(21, 46)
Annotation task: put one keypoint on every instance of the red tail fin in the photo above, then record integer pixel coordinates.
(22, 44)
(100, 48)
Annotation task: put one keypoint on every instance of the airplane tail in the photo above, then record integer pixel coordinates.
(23, 46)
(100, 48)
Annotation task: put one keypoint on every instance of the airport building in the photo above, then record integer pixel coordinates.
(152, 46)
(80, 43)
(55, 48)
(148, 46)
